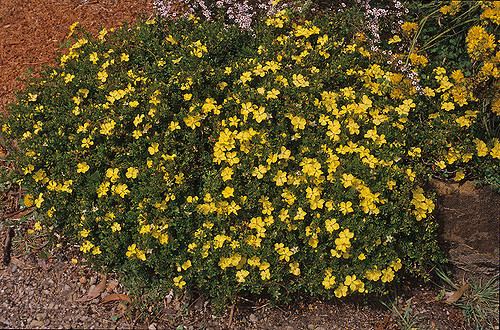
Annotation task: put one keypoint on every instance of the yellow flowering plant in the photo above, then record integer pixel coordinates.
(459, 40)
(279, 161)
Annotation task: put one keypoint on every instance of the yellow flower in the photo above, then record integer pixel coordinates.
(298, 122)
(228, 192)
(396, 265)
(451, 9)
(331, 225)
(246, 77)
(131, 250)
(28, 200)
(132, 173)
(121, 190)
(192, 121)
(272, 94)
(395, 39)
(140, 255)
(136, 134)
(227, 173)
(299, 80)
(113, 174)
(492, 13)
(37, 226)
(418, 59)
(346, 207)
(102, 76)
(300, 215)
(84, 233)
(241, 275)
(294, 268)
(186, 265)
(174, 125)
(107, 127)
(409, 27)
(311, 167)
(96, 250)
(39, 200)
(87, 142)
(116, 227)
(68, 78)
(411, 175)
(328, 281)
(86, 247)
(40, 176)
(341, 291)
(154, 148)
(82, 167)
(103, 189)
(259, 171)
(387, 275)
(124, 57)
(447, 106)
(259, 114)
(373, 274)
(481, 147)
(459, 176)
(179, 282)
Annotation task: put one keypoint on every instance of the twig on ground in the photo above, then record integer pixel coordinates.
(231, 314)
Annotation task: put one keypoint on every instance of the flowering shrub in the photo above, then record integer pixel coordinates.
(461, 37)
(279, 161)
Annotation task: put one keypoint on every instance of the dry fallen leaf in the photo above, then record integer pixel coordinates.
(453, 298)
(95, 291)
(115, 297)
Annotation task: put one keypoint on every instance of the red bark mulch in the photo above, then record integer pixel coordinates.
(32, 31)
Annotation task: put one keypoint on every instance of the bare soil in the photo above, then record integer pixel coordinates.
(41, 288)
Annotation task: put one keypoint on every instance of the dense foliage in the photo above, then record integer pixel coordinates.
(290, 158)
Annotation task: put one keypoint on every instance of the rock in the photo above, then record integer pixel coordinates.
(36, 324)
(152, 326)
(469, 218)
(253, 318)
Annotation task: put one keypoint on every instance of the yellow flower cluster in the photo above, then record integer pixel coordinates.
(423, 206)
(480, 44)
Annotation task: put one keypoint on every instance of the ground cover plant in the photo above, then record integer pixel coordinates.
(289, 159)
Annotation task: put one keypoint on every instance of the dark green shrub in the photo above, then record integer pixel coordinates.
(279, 161)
